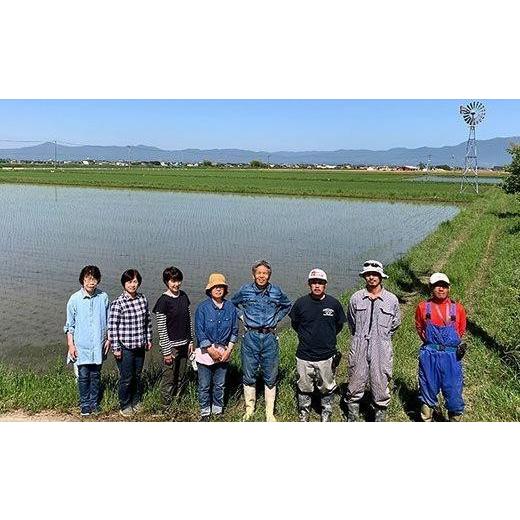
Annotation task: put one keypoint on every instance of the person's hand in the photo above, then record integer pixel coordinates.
(106, 347)
(148, 345)
(118, 354)
(168, 360)
(73, 353)
(226, 355)
(214, 354)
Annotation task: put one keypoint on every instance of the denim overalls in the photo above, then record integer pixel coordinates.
(439, 368)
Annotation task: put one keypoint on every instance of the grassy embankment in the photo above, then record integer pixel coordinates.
(478, 249)
(322, 183)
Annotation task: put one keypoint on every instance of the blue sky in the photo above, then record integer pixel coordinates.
(269, 125)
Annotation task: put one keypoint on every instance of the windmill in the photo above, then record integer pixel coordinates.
(473, 113)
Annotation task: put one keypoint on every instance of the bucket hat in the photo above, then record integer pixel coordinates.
(373, 266)
(216, 279)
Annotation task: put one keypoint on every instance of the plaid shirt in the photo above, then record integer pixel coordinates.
(129, 323)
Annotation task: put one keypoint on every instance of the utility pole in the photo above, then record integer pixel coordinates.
(55, 154)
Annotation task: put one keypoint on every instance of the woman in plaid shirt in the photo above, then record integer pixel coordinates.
(130, 334)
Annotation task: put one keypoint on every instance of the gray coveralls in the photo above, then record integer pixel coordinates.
(372, 324)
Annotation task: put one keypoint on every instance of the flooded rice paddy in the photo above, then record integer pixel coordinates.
(49, 234)
(458, 180)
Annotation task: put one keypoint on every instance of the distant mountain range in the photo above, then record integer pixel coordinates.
(491, 152)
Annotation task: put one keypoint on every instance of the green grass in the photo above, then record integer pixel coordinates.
(308, 183)
(478, 250)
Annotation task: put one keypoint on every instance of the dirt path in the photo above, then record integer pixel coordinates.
(48, 416)
(53, 416)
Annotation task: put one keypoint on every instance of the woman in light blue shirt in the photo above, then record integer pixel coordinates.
(86, 329)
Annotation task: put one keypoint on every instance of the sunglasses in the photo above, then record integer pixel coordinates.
(373, 264)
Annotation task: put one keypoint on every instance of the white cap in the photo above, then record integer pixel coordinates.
(317, 274)
(439, 277)
(373, 266)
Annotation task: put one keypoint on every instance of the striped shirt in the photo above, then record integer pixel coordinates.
(174, 322)
(129, 323)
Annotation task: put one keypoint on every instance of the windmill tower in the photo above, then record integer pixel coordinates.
(473, 113)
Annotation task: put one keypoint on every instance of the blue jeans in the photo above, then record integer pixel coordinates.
(211, 402)
(89, 383)
(260, 351)
(130, 367)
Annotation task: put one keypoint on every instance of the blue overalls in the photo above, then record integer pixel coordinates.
(439, 368)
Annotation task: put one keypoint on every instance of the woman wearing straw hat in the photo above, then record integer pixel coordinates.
(216, 329)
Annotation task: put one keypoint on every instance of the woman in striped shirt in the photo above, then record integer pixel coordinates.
(174, 325)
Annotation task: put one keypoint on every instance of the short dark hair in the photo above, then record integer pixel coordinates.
(90, 270)
(172, 273)
(129, 275)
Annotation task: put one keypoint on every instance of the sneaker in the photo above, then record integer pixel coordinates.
(85, 412)
(204, 418)
(304, 416)
(127, 412)
(137, 408)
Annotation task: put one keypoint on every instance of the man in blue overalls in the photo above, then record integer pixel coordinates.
(441, 324)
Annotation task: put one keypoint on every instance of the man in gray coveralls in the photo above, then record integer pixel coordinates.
(373, 317)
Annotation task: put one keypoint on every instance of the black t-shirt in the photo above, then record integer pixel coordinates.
(317, 323)
(177, 314)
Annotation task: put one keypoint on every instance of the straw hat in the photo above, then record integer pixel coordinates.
(216, 279)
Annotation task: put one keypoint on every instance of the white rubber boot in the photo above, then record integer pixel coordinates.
(250, 399)
(270, 395)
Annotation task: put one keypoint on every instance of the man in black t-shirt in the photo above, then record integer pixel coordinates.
(317, 318)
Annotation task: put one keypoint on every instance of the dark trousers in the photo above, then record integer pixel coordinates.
(89, 383)
(130, 367)
(174, 376)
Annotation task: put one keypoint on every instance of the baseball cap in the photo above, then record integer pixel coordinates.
(317, 274)
(439, 277)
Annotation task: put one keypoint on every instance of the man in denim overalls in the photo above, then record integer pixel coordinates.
(262, 305)
(441, 324)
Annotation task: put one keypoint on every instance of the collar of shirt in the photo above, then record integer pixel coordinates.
(215, 306)
(85, 294)
(260, 291)
(366, 294)
(127, 297)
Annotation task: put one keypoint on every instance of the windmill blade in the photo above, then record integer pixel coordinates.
(473, 113)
